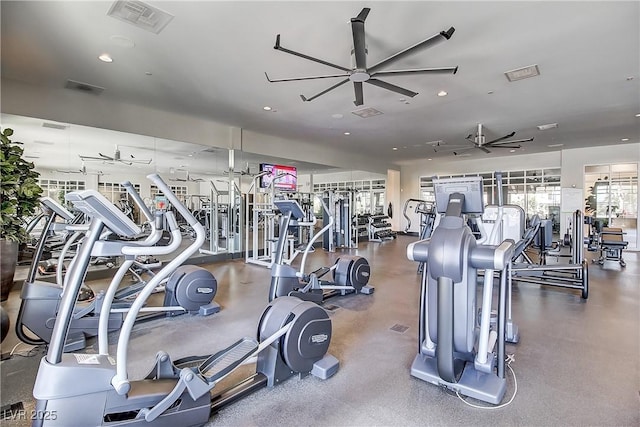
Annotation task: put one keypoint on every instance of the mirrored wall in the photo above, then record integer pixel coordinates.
(221, 187)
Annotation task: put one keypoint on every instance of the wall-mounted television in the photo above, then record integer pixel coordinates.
(286, 177)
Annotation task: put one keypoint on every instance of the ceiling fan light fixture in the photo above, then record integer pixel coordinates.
(522, 73)
(442, 93)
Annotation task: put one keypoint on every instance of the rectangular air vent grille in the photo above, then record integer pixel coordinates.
(53, 126)
(522, 73)
(83, 87)
(141, 15)
(365, 113)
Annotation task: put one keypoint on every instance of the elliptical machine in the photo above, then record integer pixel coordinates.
(82, 390)
(453, 352)
(190, 289)
(350, 273)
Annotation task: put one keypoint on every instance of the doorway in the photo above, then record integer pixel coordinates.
(611, 196)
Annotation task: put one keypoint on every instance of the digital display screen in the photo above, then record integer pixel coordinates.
(286, 177)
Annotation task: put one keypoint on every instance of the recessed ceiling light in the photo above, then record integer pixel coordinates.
(105, 57)
(624, 139)
(512, 151)
(347, 133)
(148, 73)
(554, 145)
(490, 92)
(442, 93)
(547, 126)
(395, 148)
(638, 115)
(429, 159)
(266, 108)
(337, 116)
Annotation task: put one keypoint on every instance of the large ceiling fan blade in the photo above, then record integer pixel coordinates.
(302, 55)
(392, 87)
(324, 91)
(430, 42)
(441, 70)
(357, 86)
(514, 141)
(359, 46)
(506, 146)
(502, 138)
(293, 79)
(91, 158)
(137, 161)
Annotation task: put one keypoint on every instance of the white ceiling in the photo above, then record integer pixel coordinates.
(210, 62)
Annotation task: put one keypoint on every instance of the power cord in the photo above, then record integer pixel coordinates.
(29, 353)
(510, 358)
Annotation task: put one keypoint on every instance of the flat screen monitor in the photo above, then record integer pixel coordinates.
(470, 186)
(283, 177)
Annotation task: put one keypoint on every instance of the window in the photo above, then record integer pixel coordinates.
(537, 191)
(57, 189)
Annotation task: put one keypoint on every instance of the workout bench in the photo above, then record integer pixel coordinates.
(611, 245)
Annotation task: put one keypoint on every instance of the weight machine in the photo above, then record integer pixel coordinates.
(343, 234)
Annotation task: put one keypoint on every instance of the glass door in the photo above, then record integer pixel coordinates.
(612, 197)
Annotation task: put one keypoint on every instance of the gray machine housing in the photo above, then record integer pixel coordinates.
(448, 327)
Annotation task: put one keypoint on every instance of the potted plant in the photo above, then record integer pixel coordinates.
(19, 195)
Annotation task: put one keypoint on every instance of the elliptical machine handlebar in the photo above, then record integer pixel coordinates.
(120, 381)
(164, 188)
(315, 237)
(176, 240)
(138, 200)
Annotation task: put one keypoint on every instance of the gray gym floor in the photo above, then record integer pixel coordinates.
(577, 362)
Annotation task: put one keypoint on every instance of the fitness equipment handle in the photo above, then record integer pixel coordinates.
(136, 198)
(164, 188)
(325, 208)
(176, 240)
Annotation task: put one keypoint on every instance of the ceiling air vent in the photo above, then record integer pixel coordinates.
(547, 126)
(522, 73)
(54, 126)
(141, 15)
(83, 87)
(365, 113)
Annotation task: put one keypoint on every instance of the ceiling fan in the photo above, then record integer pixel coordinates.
(242, 172)
(479, 141)
(360, 73)
(82, 170)
(188, 178)
(116, 158)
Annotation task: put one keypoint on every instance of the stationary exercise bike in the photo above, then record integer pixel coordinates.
(93, 389)
(350, 273)
(453, 351)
